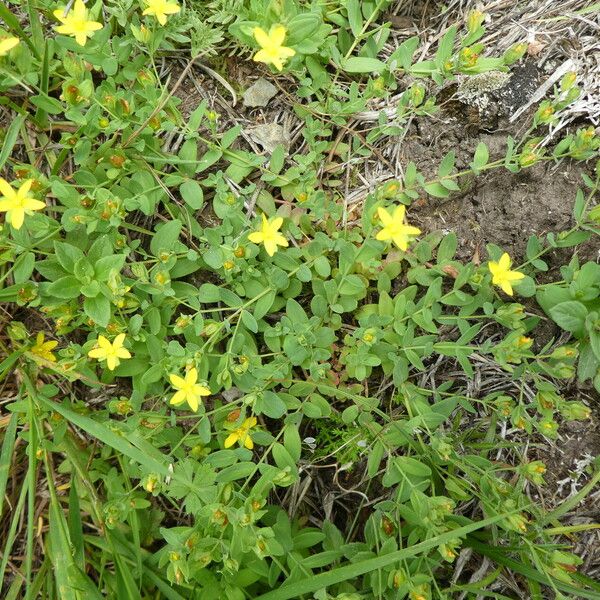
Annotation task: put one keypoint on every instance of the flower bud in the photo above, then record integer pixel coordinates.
(575, 411)
(568, 81)
(514, 53)
(475, 19)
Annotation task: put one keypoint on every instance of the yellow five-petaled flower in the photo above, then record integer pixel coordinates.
(112, 353)
(269, 235)
(76, 23)
(188, 390)
(17, 204)
(160, 9)
(44, 349)
(502, 276)
(394, 227)
(272, 51)
(242, 434)
(7, 44)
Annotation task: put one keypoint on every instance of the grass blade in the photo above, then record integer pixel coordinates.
(499, 555)
(8, 445)
(75, 526)
(348, 572)
(10, 139)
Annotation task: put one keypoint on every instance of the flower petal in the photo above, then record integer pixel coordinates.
(385, 216)
(17, 216)
(201, 390)
(122, 353)
(112, 362)
(280, 240)
(176, 381)
(277, 35)
(191, 376)
(401, 241)
(410, 230)
(262, 37)
(493, 267)
(177, 397)
(192, 401)
(270, 247)
(285, 52)
(6, 189)
(256, 237)
(98, 353)
(399, 213)
(504, 262)
(262, 56)
(33, 204)
(104, 343)
(25, 187)
(118, 341)
(232, 438)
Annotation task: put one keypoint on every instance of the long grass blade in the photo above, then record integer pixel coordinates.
(348, 572)
(8, 445)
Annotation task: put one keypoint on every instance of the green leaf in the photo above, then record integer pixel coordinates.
(437, 190)
(447, 164)
(570, 316)
(404, 53)
(354, 16)
(588, 363)
(192, 194)
(359, 64)
(65, 287)
(295, 312)
(351, 285)
(235, 472)
(98, 309)
(481, 157)
(249, 321)
(264, 304)
(444, 51)
(47, 104)
(165, 237)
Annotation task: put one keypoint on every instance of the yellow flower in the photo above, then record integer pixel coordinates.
(269, 235)
(242, 434)
(44, 349)
(187, 389)
(272, 51)
(160, 9)
(111, 353)
(502, 276)
(18, 203)
(394, 228)
(76, 23)
(7, 44)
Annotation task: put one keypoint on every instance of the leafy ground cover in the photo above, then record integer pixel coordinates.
(293, 307)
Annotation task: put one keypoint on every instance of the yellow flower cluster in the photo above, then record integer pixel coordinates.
(272, 51)
(17, 204)
(112, 353)
(502, 276)
(76, 21)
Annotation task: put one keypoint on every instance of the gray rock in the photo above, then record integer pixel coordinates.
(269, 136)
(259, 93)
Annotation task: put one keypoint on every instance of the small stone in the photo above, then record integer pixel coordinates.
(269, 136)
(259, 93)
